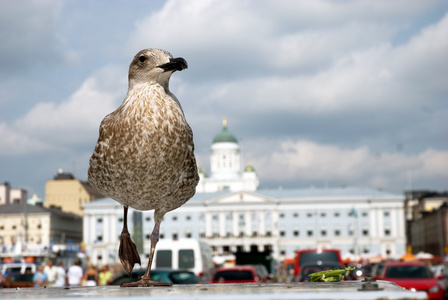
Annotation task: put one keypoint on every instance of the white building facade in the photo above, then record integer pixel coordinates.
(358, 221)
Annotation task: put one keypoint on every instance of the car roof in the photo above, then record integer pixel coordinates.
(405, 263)
(235, 268)
(323, 263)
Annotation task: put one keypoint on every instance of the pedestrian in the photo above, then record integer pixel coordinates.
(91, 276)
(105, 276)
(40, 278)
(51, 272)
(61, 277)
(75, 273)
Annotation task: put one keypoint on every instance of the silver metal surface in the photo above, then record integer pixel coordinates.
(253, 291)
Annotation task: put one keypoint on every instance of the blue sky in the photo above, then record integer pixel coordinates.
(319, 93)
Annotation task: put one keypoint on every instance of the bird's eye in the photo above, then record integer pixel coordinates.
(142, 58)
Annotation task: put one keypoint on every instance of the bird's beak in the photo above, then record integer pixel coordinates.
(175, 64)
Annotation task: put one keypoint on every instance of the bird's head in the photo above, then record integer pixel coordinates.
(154, 65)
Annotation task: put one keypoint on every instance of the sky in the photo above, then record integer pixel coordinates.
(318, 93)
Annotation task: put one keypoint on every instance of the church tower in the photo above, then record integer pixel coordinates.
(225, 167)
(225, 155)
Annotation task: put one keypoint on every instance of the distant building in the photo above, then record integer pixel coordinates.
(225, 166)
(69, 193)
(29, 228)
(9, 195)
(357, 221)
(427, 222)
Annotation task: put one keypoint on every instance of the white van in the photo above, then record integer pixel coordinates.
(185, 254)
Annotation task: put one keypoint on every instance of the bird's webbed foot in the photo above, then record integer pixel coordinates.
(146, 282)
(128, 252)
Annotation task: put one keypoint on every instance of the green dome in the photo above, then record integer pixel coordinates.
(225, 136)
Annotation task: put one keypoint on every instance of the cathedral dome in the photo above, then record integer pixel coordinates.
(224, 136)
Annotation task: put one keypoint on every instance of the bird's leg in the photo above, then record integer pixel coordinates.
(146, 279)
(127, 251)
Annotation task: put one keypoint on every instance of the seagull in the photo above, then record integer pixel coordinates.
(144, 156)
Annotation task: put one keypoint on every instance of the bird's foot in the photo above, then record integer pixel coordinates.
(128, 252)
(145, 283)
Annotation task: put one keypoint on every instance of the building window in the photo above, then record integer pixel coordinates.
(174, 218)
(99, 238)
(14, 227)
(282, 215)
(188, 235)
(2, 227)
(337, 214)
(99, 257)
(100, 220)
(147, 219)
(282, 233)
(364, 214)
(386, 213)
(323, 232)
(175, 236)
(309, 232)
(387, 232)
(323, 215)
(39, 226)
(120, 220)
(148, 236)
(337, 232)
(202, 235)
(296, 215)
(162, 236)
(268, 233)
(296, 233)
(365, 232)
(309, 214)
(282, 252)
(188, 218)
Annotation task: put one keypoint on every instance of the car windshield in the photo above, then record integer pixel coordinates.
(307, 257)
(408, 272)
(233, 275)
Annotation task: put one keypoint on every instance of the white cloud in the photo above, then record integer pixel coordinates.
(309, 161)
(51, 126)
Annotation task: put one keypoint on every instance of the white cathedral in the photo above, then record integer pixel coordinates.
(225, 167)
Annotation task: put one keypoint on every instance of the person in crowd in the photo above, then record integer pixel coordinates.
(51, 272)
(91, 276)
(61, 279)
(75, 273)
(105, 276)
(40, 278)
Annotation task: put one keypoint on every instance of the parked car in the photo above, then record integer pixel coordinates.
(314, 267)
(414, 276)
(377, 270)
(314, 256)
(16, 280)
(22, 268)
(163, 275)
(240, 274)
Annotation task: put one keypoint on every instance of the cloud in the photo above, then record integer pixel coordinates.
(307, 161)
(27, 32)
(51, 126)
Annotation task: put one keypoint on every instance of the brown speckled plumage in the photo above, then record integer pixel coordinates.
(144, 157)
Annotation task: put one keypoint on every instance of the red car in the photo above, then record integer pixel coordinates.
(414, 276)
(307, 256)
(239, 274)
